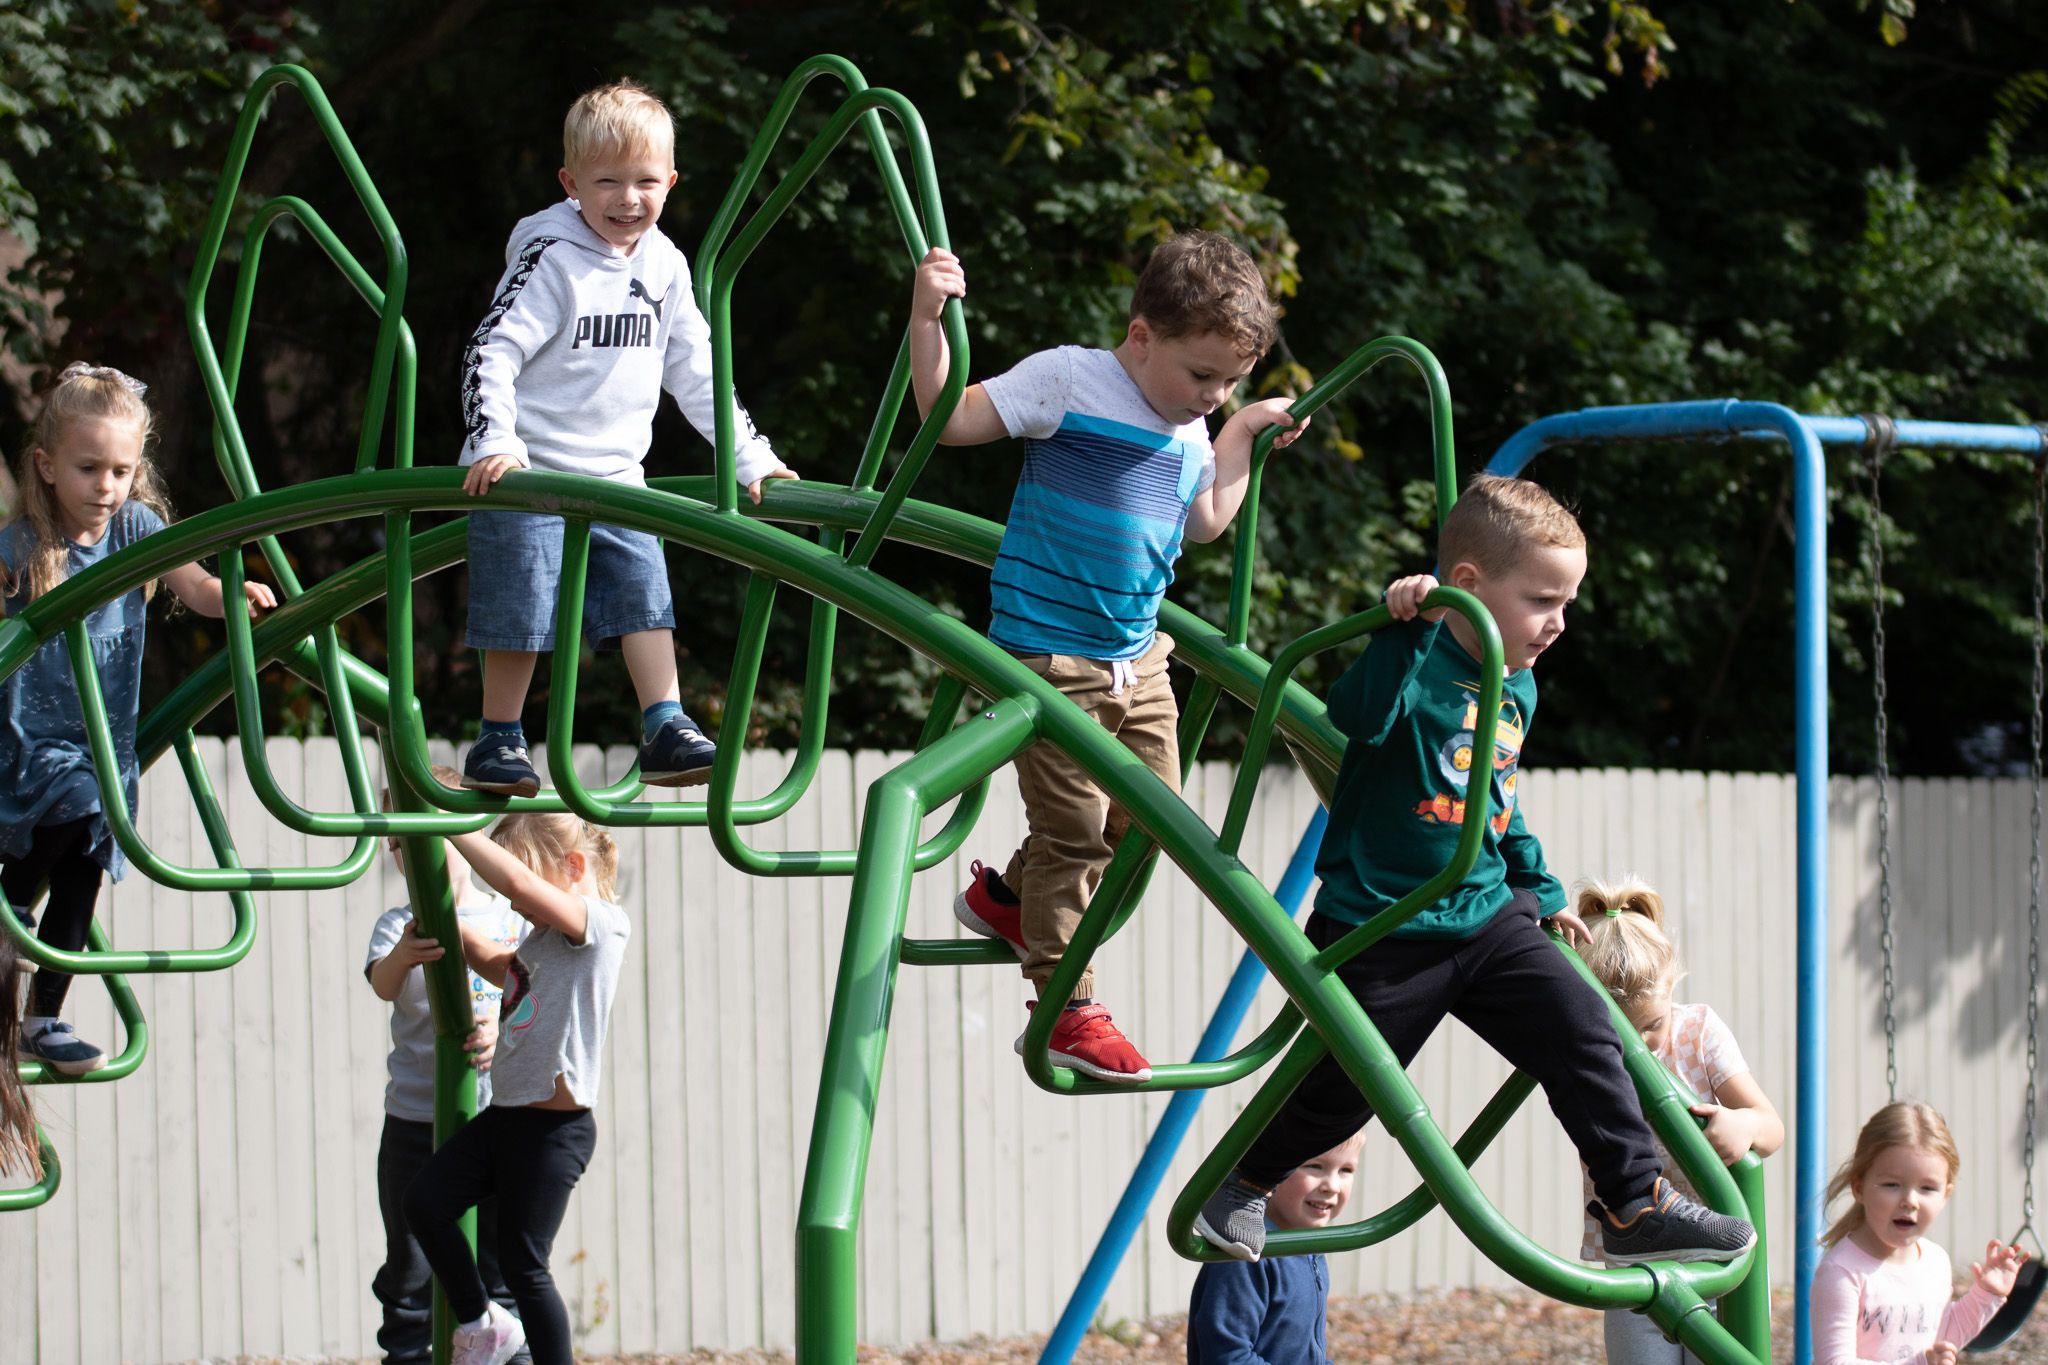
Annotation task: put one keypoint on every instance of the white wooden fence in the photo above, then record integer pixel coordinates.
(221, 1201)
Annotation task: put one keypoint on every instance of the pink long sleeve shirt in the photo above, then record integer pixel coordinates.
(1870, 1312)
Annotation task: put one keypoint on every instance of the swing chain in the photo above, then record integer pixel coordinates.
(1881, 432)
(2034, 861)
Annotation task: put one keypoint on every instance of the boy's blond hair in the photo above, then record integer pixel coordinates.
(620, 119)
(1199, 282)
(1497, 519)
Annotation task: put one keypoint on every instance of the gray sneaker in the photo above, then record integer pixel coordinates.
(64, 1052)
(1234, 1219)
(1666, 1226)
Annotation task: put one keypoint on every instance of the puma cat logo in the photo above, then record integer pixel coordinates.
(635, 289)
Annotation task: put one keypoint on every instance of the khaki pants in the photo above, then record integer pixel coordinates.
(1073, 825)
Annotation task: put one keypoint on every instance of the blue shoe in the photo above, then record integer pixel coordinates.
(57, 1047)
(499, 763)
(679, 755)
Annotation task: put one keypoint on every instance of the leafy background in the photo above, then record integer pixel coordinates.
(1830, 204)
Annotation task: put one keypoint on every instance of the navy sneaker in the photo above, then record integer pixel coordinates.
(498, 763)
(64, 1052)
(679, 755)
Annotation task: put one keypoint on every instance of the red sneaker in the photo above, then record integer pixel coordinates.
(980, 909)
(1087, 1041)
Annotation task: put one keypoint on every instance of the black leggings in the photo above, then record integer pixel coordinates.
(530, 1159)
(57, 854)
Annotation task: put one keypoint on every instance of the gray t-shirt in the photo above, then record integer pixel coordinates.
(557, 1008)
(409, 1094)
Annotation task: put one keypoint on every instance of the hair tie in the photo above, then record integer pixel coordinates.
(1615, 912)
(79, 369)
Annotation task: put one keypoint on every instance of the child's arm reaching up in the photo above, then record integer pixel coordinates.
(975, 420)
(201, 591)
(537, 899)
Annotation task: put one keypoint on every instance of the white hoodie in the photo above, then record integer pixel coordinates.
(567, 368)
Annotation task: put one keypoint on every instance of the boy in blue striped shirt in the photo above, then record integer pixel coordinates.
(1118, 470)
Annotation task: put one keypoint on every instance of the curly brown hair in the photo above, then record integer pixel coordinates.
(1201, 282)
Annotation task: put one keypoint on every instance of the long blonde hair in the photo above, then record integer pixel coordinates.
(1901, 1124)
(82, 393)
(20, 1150)
(1630, 953)
(545, 841)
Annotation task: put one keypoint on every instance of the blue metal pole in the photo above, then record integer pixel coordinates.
(1122, 1227)
(1732, 419)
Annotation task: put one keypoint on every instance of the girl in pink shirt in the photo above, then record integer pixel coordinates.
(1884, 1293)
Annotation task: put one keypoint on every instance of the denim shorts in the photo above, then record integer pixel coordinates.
(515, 569)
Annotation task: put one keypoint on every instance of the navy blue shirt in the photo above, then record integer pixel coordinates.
(1244, 1312)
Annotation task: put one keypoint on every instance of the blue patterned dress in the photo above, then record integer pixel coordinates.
(46, 772)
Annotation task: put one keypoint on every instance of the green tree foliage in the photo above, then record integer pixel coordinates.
(1572, 202)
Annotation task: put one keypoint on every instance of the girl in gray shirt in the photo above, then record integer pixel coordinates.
(532, 1145)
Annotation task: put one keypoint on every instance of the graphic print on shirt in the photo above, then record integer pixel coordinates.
(517, 1011)
(1896, 1319)
(1454, 766)
(473, 419)
(637, 290)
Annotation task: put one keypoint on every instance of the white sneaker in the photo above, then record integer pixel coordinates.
(493, 1342)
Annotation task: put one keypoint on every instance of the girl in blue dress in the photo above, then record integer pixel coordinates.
(87, 490)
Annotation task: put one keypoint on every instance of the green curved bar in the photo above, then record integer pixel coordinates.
(134, 1028)
(860, 105)
(614, 805)
(230, 875)
(40, 1193)
(1442, 448)
(238, 469)
(739, 709)
(366, 822)
(102, 961)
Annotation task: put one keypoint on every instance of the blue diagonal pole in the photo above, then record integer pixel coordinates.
(1093, 1285)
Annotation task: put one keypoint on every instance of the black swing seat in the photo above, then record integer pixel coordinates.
(2019, 1306)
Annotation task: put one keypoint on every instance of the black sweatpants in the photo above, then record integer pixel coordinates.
(1513, 988)
(57, 854)
(404, 1284)
(530, 1159)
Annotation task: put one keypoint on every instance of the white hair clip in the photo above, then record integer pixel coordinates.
(79, 369)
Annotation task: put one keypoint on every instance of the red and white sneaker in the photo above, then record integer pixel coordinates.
(1086, 1040)
(980, 909)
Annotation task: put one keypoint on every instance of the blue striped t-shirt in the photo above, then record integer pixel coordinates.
(1100, 507)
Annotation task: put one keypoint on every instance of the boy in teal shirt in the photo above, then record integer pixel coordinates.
(1408, 707)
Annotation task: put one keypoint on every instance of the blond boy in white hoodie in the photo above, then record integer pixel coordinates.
(592, 320)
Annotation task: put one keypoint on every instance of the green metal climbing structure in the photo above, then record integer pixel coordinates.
(823, 541)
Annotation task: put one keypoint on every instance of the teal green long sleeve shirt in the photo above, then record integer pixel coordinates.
(1407, 708)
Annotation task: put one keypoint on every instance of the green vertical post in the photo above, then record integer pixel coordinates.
(850, 1082)
(433, 904)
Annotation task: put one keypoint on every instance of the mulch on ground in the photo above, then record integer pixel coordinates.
(1445, 1327)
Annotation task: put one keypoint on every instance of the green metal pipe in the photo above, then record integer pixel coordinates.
(828, 1214)
(432, 897)
(40, 1193)
(1355, 365)
(134, 1028)
(230, 875)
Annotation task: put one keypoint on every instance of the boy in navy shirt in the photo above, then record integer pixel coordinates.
(1252, 1311)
